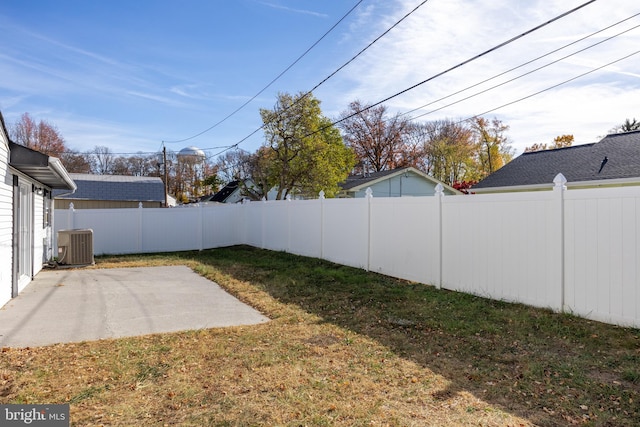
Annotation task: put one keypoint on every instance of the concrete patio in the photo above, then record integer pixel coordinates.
(61, 306)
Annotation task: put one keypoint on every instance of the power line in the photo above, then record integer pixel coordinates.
(548, 88)
(353, 58)
(554, 86)
(493, 49)
(272, 81)
(527, 63)
(486, 52)
(141, 153)
(510, 80)
(367, 47)
(480, 55)
(514, 101)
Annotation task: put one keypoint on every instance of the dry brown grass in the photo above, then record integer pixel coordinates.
(344, 347)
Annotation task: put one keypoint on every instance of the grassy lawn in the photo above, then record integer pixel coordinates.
(344, 347)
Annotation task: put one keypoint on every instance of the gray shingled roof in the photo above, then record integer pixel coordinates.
(222, 195)
(115, 188)
(578, 164)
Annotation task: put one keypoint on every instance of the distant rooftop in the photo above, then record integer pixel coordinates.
(115, 188)
(616, 156)
(364, 178)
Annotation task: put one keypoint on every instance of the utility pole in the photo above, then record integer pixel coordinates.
(166, 183)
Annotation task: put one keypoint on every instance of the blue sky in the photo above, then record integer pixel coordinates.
(131, 74)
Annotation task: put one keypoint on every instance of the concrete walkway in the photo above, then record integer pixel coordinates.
(61, 306)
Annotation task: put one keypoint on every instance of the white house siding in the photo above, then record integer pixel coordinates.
(6, 222)
(404, 185)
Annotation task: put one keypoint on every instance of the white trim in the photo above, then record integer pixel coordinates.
(619, 182)
(60, 170)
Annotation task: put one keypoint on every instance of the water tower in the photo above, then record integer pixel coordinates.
(194, 153)
(191, 167)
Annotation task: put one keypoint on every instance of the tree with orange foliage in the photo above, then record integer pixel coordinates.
(41, 136)
(561, 141)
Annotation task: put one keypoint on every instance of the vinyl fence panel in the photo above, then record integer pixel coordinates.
(602, 253)
(404, 238)
(504, 246)
(345, 231)
(115, 231)
(252, 224)
(167, 230)
(305, 228)
(221, 225)
(275, 223)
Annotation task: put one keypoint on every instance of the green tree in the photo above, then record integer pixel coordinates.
(213, 183)
(261, 167)
(492, 145)
(448, 149)
(305, 152)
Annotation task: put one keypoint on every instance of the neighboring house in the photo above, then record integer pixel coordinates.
(399, 182)
(614, 161)
(232, 193)
(26, 216)
(112, 192)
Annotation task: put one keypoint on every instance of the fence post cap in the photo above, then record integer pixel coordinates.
(368, 193)
(439, 189)
(560, 182)
(321, 194)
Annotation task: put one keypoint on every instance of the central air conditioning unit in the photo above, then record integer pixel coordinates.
(75, 247)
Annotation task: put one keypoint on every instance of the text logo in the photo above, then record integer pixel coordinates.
(35, 415)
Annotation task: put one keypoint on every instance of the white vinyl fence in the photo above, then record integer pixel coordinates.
(576, 251)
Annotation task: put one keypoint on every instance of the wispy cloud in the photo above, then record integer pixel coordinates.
(441, 35)
(290, 9)
(27, 36)
(157, 98)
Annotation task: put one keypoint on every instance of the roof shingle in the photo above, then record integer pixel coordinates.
(616, 156)
(115, 188)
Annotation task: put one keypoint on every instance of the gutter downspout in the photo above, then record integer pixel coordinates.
(57, 166)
